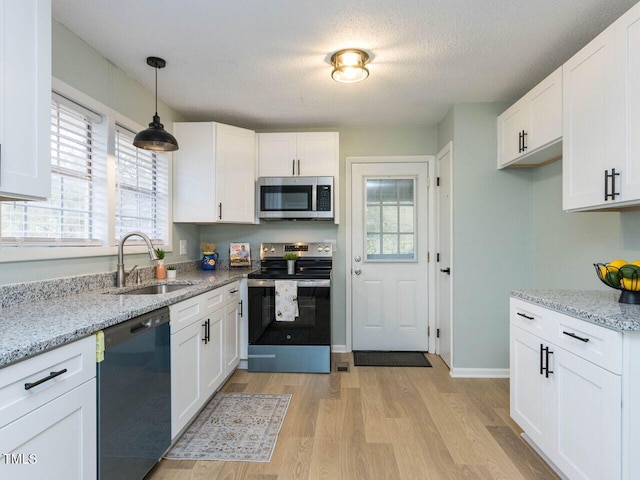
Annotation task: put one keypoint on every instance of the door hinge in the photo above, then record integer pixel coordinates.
(428, 182)
(437, 333)
(428, 257)
(437, 181)
(437, 257)
(428, 331)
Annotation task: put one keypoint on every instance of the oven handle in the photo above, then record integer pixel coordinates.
(261, 282)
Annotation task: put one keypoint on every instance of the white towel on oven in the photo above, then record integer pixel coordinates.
(286, 300)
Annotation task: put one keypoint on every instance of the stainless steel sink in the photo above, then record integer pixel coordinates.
(154, 289)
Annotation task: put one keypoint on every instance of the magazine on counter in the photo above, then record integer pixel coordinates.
(240, 254)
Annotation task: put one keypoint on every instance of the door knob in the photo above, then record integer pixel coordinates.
(357, 271)
(446, 270)
(357, 258)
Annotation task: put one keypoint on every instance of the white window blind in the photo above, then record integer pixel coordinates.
(142, 189)
(75, 214)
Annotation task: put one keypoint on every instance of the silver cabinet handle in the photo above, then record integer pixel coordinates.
(357, 271)
(298, 167)
(293, 166)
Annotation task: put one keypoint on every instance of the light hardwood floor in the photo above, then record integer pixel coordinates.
(381, 423)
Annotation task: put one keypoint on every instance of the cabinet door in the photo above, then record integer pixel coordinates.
(276, 154)
(511, 124)
(588, 117)
(186, 388)
(531, 394)
(194, 179)
(545, 112)
(235, 174)
(56, 441)
(588, 429)
(317, 153)
(213, 371)
(231, 333)
(25, 107)
(626, 37)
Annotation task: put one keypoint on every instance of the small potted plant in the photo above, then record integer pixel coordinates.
(171, 272)
(291, 262)
(161, 270)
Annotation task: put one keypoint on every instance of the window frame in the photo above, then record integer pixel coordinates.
(110, 247)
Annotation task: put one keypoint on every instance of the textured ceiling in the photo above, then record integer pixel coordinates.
(265, 64)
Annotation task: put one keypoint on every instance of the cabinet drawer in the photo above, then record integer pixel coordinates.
(77, 358)
(186, 312)
(232, 292)
(530, 317)
(214, 299)
(594, 343)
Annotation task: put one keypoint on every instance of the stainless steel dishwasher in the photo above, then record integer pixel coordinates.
(134, 397)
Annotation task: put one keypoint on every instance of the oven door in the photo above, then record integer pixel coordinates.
(311, 327)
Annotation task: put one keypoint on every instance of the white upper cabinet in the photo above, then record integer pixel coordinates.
(25, 99)
(601, 95)
(530, 131)
(213, 174)
(308, 154)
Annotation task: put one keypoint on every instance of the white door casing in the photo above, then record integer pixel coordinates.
(444, 255)
(388, 299)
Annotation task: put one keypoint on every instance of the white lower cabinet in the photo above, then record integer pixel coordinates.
(232, 328)
(566, 403)
(49, 430)
(204, 351)
(587, 427)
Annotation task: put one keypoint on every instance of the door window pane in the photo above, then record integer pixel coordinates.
(390, 219)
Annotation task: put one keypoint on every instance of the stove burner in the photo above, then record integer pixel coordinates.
(314, 261)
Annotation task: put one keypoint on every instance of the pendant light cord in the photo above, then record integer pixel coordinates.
(156, 68)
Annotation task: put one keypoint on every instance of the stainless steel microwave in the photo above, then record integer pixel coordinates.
(295, 198)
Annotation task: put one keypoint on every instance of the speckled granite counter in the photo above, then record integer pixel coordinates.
(599, 307)
(35, 326)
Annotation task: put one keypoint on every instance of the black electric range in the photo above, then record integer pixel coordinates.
(302, 343)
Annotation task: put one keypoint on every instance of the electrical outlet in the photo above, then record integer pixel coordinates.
(183, 247)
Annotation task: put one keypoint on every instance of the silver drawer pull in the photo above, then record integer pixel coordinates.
(234, 291)
(526, 316)
(573, 335)
(52, 375)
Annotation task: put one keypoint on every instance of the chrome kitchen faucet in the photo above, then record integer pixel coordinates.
(121, 276)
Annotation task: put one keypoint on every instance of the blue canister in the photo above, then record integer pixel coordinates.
(209, 261)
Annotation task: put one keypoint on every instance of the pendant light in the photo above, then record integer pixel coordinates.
(155, 137)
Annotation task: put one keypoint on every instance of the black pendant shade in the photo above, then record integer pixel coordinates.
(155, 137)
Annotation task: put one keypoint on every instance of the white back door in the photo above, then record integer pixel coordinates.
(389, 271)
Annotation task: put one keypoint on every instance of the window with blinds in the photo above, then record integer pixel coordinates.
(142, 189)
(76, 212)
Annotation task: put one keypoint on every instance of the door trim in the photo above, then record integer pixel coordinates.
(431, 239)
(447, 149)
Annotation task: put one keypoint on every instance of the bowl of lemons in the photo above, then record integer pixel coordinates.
(621, 275)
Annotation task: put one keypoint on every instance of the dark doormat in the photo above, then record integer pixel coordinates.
(372, 358)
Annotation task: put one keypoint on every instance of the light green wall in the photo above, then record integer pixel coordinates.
(492, 237)
(410, 140)
(568, 244)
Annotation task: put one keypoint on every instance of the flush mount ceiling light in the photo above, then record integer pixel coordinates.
(155, 137)
(349, 65)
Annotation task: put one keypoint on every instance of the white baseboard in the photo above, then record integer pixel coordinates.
(479, 372)
(339, 349)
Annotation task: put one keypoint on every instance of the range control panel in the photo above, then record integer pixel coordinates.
(277, 250)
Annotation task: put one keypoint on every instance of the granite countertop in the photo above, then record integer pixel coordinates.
(35, 326)
(597, 306)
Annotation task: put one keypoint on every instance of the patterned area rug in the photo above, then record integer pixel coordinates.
(241, 427)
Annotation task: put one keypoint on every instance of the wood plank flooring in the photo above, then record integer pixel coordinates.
(381, 423)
